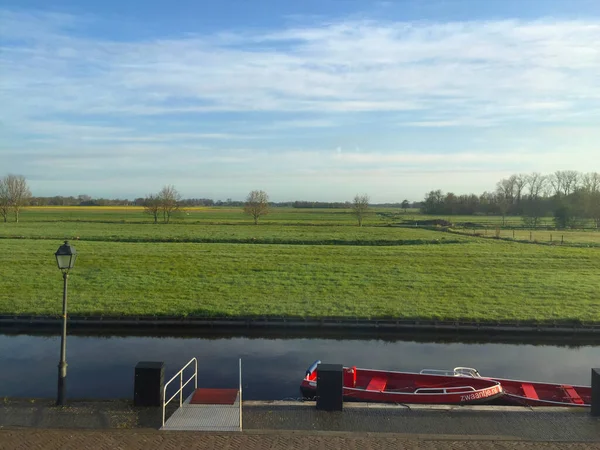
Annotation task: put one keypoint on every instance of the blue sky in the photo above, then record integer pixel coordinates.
(312, 100)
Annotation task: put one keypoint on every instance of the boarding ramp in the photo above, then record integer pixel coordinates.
(203, 409)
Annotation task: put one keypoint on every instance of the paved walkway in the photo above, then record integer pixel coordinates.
(477, 422)
(31, 424)
(34, 439)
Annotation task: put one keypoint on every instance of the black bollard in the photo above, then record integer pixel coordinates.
(149, 383)
(330, 379)
(595, 392)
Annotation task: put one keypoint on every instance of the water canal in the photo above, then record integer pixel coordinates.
(103, 366)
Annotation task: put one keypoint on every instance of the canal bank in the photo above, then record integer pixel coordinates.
(358, 420)
(26, 323)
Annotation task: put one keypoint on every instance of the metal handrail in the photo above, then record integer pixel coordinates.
(444, 390)
(456, 372)
(181, 386)
(437, 372)
(240, 394)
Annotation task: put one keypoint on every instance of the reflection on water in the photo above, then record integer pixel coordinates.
(103, 367)
(210, 333)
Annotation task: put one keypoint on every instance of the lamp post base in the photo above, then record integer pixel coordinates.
(62, 383)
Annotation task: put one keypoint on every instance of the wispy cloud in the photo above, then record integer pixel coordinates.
(62, 88)
(513, 67)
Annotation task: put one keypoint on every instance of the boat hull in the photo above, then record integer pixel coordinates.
(379, 386)
(358, 395)
(529, 393)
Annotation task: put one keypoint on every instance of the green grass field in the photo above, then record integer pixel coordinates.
(206, 215)
(225, 233)
(207, 268)
(542, 236)
(281, 216)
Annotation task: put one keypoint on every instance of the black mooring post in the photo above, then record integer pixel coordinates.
(596, 392)
(149, 383)
(330, 378)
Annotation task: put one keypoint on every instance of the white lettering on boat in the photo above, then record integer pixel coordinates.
(480, 394)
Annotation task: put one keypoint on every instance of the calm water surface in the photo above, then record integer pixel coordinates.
(103, 367)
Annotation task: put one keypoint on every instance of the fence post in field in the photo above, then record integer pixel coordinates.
(562, 239)
(513, 233)
(530, 236)
(550, 237)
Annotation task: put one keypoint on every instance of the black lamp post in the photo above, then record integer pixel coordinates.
(65, 258)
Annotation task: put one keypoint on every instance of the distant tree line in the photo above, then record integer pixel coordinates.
(86, 200)
(80, 200)
(570, 197)
(345, 205)
(310, 204)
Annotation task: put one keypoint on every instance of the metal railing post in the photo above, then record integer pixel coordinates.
(181, 386)
(164, 404)
(240, 394)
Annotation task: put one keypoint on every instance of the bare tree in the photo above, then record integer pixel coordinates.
(4, 199)
(590, 182)
(594, 207)
(257, 204)
(520, 182)
(533, 208)
(537, 184)
(556, 181)
(564, 182)
(18, 193)
(152, 206)
(503, 205)
(570, 181)
(506, 188)
(84, 199)
(169, 200)
(360, 206)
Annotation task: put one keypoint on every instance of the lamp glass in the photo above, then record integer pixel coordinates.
(64, 261)
(66, 256)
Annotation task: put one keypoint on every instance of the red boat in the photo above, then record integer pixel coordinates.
(403, 387)
(529, 393)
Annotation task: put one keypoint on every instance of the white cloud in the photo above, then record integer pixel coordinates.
(91, 104)
(512, 67)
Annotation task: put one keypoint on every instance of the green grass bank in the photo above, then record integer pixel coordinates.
(287, 269)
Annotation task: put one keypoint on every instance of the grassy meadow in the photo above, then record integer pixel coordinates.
(208, 215)
(225, 233)
(295, 263)
(544, 236)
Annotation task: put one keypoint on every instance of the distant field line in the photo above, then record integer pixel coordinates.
(111, 208)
